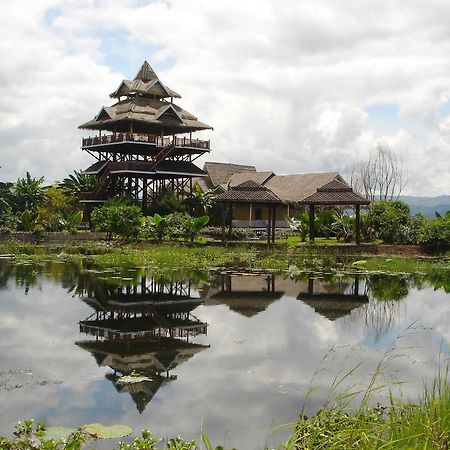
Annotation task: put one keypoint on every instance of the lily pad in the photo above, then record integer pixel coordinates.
(107, 432)
(58, 433)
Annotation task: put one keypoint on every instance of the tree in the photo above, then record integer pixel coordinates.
(381, 177)
(29, 193)
(78, 182)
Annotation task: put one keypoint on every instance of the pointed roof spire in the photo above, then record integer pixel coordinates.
(146, 73)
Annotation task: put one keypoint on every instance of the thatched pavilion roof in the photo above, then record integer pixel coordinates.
(145, 83)
(335, 192)
(145, 110)
(249, 192)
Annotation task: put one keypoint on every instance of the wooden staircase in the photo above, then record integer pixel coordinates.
(164, 153)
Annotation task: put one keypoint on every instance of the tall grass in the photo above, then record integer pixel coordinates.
(398, 425)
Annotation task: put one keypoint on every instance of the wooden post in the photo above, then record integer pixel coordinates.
(311, 223)
(250, 216)
(230, 226)
(310, 284)
(223, 222)
(274, 223)
(144, 196)
(269, 224)
(358, 225)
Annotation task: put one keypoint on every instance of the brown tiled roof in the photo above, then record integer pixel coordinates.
(335, 193)
(294, 188)
(335, 186)
(259, 177)
(220, 173)
(249, 192)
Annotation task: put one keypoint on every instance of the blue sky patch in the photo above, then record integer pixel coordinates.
(384, 118)
(50, 16)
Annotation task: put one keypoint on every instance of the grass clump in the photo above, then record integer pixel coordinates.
(421, 425)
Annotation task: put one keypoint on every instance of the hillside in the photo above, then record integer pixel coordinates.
(427, 205)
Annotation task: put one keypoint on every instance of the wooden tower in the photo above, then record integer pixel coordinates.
(144, 143)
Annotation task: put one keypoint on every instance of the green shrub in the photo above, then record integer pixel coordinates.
(388, 218)
(236, 233)
(435, 232)
(125, 221)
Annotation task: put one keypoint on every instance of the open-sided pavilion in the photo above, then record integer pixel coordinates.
(250, 193)
(335, 193)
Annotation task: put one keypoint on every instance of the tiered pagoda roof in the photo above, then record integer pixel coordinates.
(145, 109)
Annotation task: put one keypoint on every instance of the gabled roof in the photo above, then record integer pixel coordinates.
(335, 193)
(294, 188)
(146, 73)
(146, 114)
(249, 192)
(220, 173)
(259, 177)
(146, 82)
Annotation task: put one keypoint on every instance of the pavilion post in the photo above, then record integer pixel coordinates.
(274, 223)
(269, 224)
(223, 221)
(358, 225)
(230, 226)
(311, 223)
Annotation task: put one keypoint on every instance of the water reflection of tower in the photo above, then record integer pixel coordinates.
(336, 300)
(142, 329)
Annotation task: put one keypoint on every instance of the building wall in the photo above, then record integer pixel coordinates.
(241, 215)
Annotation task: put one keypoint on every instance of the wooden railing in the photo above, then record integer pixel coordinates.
(145, 138)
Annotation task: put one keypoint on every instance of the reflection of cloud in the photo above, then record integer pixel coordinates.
(254, 375)
(316, 74)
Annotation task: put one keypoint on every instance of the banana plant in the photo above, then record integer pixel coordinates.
(159, 226)
(72, 220)
(193, 225)
(26, 220)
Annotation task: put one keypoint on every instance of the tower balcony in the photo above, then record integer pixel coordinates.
(106, 142)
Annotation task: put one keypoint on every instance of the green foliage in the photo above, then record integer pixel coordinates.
(122, 220)
(435, 232)
(37, 437)
(78, 182)
(166, 203)
(192, 226)
(300, 224)
(26, 220)
(236, 233)
(343, 226)
(7, 198)
(203, 201)
(157, 226)
(29, 193)
(388, 217)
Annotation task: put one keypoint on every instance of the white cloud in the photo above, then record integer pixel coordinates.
(285, 84)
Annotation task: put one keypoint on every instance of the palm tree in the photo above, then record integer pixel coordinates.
(29, 193)
(78, 182)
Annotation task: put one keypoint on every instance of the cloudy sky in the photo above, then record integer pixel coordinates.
(291, 86)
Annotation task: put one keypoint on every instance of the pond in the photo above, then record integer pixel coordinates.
(233, 354)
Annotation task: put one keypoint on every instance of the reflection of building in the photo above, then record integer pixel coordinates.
(247, 294)
(337, 304)
(142, 329)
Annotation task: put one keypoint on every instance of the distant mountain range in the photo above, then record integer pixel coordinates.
(428, 206)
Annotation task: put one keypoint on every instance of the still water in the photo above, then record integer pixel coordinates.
(233, 354)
